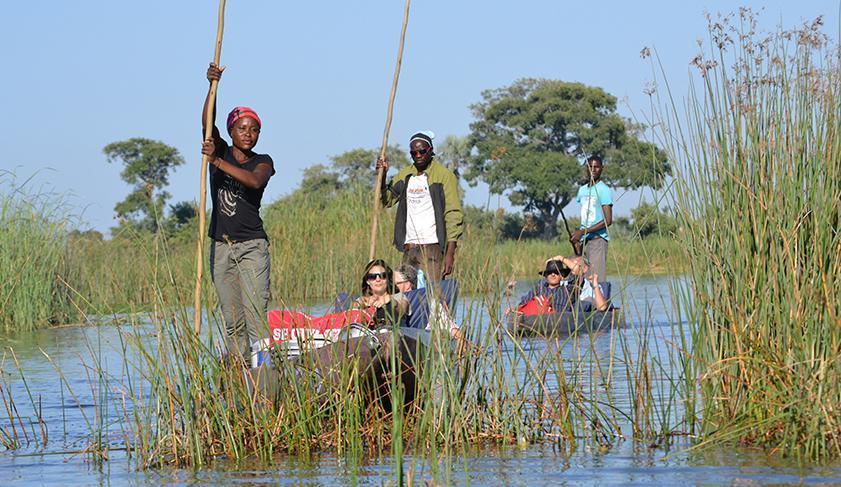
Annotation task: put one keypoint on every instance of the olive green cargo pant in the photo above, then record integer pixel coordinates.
(240, 272)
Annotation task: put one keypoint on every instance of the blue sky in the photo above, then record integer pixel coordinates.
(79, 75)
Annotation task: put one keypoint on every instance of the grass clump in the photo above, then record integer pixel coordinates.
(33, 229)
(191, 408)
(759, 185)
(318, 246)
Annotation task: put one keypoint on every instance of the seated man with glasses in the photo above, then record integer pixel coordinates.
(405, 280)
(429, 218)
(436, 315)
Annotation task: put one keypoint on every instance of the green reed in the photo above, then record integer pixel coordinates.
(758, 191)
(33, 247)
(181, 404)
(187, 407)
(317, 248)
(199, 410)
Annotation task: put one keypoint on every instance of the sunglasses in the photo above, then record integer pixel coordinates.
(376, 275)
(552, 272)
(421, 152)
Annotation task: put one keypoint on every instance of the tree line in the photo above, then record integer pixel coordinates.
(528, 142)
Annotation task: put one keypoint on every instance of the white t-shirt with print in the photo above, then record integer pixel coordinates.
(420, 215)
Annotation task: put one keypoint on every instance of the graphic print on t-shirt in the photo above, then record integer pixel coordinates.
(588, 209)
(420, 214)
(229, 192)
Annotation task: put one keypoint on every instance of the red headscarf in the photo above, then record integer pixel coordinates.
(240, 112)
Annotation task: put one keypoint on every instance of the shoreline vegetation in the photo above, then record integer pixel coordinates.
(757, 333)
(312, 259)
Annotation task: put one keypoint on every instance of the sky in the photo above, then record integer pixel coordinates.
(79, 75)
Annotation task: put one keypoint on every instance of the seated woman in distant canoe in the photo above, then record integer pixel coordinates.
(552, 290)
(377, 291)
(584, 292)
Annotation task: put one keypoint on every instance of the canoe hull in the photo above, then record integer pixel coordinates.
(565, 323)
(373, 354)
(368, 357)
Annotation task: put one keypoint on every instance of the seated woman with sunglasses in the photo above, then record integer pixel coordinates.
(377, 292)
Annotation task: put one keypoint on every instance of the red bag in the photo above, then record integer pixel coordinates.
(539, 305)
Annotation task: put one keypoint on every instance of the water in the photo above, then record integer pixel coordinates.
(73, 349)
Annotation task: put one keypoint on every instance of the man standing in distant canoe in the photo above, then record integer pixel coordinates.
(429, 217)
(596, 203)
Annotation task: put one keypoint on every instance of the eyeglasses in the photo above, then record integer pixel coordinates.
(397, 283)
(376, 275)
(421, 152)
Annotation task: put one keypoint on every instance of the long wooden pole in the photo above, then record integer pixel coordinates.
(208, 132)
(569, 233)
(380, 172)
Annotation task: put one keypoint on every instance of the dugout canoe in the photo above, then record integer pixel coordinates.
(565, 323)
(369, 353)
(365, 353)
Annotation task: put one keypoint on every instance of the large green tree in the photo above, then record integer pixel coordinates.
(146, 166)
(531, 139)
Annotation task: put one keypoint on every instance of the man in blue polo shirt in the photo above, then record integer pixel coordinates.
(596, 203)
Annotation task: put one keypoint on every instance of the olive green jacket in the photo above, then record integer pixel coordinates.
(443, 188)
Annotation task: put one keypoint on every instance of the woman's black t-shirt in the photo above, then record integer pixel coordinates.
(236, 209)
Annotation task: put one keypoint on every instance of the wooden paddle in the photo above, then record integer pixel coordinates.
(381, 172)
(208, 132)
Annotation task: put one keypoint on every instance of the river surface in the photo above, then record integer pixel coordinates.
(72, 350)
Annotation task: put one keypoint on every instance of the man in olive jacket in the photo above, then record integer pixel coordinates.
(429, 218)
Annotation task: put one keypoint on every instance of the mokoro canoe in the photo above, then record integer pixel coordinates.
(365, 353)
(565, 323)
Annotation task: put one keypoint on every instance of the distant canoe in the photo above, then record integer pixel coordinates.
(565, 323)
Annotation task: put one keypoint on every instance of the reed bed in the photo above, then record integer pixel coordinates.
(318, 247)
(185, 406)
(759, 186)
(174, 400)
(33, 253)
